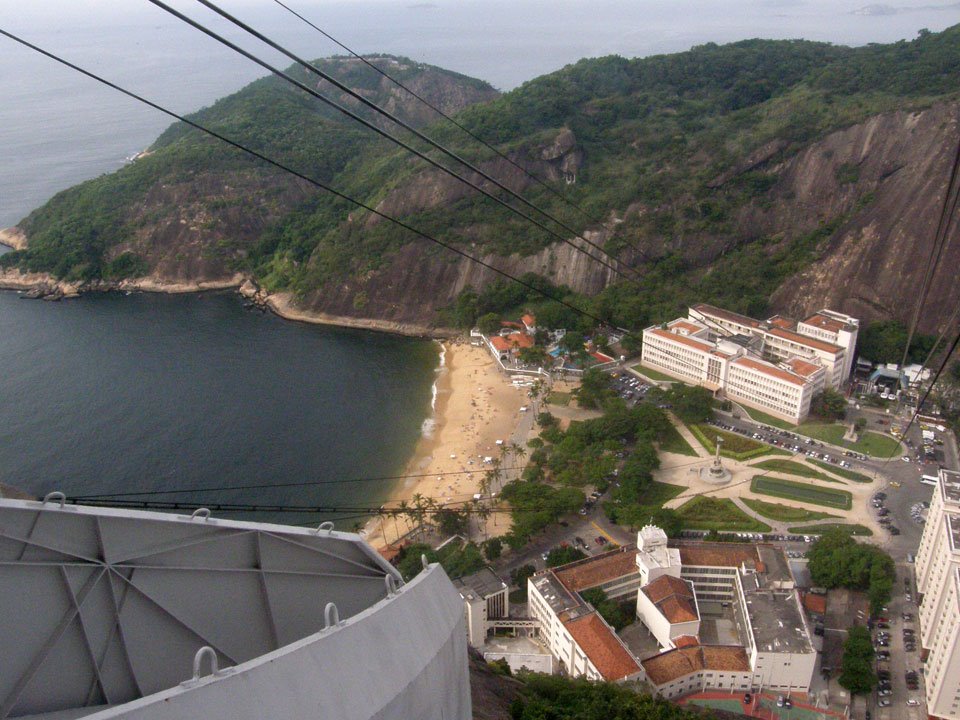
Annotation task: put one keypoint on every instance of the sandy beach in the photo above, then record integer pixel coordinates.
(475, 407)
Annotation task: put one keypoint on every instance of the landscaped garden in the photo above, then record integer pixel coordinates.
(802, 492)
(869, 442)
(821, 529)
(793, 468)
(784, 513)
(708, 513)
(734, 446)
(843, 472)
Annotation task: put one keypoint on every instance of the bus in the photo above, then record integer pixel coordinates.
(929, 479)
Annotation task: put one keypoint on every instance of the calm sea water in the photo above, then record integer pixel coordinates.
(118, 393)
(149, 392)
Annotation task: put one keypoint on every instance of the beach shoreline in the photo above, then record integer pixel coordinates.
(475, 406)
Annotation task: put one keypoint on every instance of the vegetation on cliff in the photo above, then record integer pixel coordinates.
(679, 156)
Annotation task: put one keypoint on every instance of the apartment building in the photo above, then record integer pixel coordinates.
(938, 582)
(723, 616)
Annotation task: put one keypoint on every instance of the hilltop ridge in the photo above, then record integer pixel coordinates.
(760, 175)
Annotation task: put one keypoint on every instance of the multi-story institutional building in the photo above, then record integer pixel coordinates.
(775, 366)
(724, 616)
(938, 582)
(485, 598)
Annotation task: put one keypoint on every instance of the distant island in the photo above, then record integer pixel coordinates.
(762, 176)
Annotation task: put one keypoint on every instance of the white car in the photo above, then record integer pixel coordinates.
(913, 702)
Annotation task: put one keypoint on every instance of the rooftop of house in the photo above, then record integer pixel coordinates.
(483, 583)
(528, 320)
(674, 664)
(599, 569)
(505, 343)
(602, 647)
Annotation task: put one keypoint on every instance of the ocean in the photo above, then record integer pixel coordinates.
(120, 393)
(146, 392)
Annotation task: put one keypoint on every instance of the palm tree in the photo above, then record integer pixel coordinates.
(404, 509)
(396, 528)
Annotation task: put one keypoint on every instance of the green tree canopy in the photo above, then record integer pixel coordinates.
(829, 405)
(857, 674)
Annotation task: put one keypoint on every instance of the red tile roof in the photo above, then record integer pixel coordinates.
(770, 370)
(500, 343)
(588, 573)
(665, 586)
(602, 647)
(718, 554)
(802, 367)
(781, 322)
(815, 603)
(684, 325)
(518, 340)
(673, 597)
(805, 340)
(824, 322)
(685, 641)
(706, 309)
(674, 664)
(528, 320)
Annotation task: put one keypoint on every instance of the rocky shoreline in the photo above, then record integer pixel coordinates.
(43, 286)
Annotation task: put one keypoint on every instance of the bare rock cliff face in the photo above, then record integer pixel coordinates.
(874, 263)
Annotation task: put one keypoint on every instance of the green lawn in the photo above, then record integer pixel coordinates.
(762, 417)
(842, 472)
(658, 493)
(802, 492)
(707, 513)
(793, 468)
(673, 442)
(734, 446)
(555, 397)
(654, 374)
(820, 529)
(784, 513)
(869, 443)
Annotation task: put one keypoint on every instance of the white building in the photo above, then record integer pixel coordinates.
(485, 598)
(938, 582)
(826, 338)
(776, 366)
(744, 593)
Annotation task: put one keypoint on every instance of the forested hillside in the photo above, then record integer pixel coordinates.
(757, 175)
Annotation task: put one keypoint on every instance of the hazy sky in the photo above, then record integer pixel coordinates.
(503, 41)
(57, 128)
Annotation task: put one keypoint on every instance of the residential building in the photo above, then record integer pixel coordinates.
(938, 582)
(723, 615)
